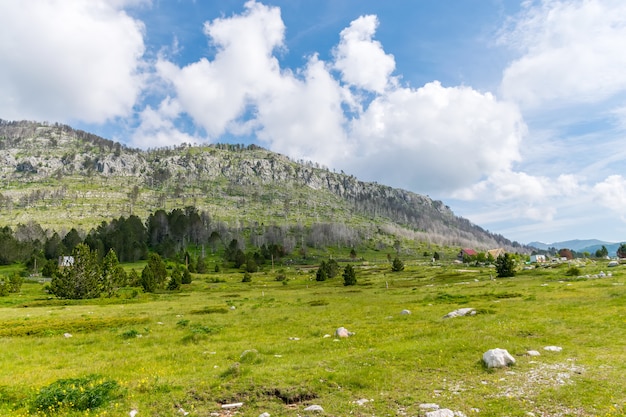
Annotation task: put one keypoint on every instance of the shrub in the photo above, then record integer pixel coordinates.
(186, 276)
(80, 394)
(573, 271)
(349, 276)
(505, 266)
(247, 277)
(397, 265)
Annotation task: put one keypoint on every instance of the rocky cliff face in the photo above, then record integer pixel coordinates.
(40, 154)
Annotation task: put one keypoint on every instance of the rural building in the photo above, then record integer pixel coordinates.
(466, 252)
(65, 261)
(537, 259)
(495, 253)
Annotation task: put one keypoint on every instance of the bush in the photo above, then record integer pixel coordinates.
(349, 276)
(505, 266)
(11, 284)
(397, 265)
(186, 276)
(80, 394)
(247, 277)
(573, 271)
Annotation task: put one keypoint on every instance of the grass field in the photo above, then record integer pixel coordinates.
(265, 344)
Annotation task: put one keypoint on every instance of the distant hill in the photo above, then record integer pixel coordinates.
(578, 245)
(61, 178)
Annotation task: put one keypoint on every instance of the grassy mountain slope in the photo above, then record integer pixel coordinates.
(61, 178)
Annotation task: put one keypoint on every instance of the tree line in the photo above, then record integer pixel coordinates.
(172, 235)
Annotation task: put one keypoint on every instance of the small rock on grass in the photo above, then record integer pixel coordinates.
(553, 348)
(498, 358)
(444, 412)
(343, 332)
(232, 405)
(468, 311)
(315, 407)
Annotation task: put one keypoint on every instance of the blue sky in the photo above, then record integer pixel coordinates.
(511, 112)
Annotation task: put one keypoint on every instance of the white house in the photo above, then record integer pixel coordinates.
(537, 258)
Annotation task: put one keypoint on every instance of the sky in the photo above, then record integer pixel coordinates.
(513, 113)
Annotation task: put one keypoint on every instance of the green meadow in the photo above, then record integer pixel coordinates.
(270, 345)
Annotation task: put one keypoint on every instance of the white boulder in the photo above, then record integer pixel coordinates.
(498, 358)
(553, 348)
(316, 408)
(343, 332)
(460, 312)
(444, 412)
(405, 312)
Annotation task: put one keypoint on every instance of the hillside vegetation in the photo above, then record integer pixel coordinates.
(62, 178)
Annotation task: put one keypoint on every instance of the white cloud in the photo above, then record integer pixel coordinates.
(572, 52)
(361, 60)
(611, 193)
(157, 127)
(436, 138)
(303, 118)
(216, 93)
(69, 60)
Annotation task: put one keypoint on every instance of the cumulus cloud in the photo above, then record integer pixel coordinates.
(611, 193)
(571, 52)
(91, 51)
(361, 60)
(216, 93)
(157, 127)
(435, 137)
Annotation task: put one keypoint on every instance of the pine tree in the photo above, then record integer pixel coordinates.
(397, 265)
(81, 280)
(113, 274)
(349, 276)
(505, 266)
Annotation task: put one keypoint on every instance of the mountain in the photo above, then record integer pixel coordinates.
(578, 245)
(62, 178)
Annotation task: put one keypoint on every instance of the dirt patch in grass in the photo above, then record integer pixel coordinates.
(210, 310)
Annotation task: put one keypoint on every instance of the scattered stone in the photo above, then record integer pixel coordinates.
(498, 358)
(327, 336)
(133, 413)
(67, 335)
(405, 312)
(266, 414)
(444, 412)
(294, 338)
(314, 407)
(183, 412)
(233, 307)
(460, 312)
(343, 332)
(231, 406)
(553, 348)
(429, 406)
(362, 401)
(533, 353)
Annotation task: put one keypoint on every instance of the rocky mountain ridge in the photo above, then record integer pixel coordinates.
(39, 161)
